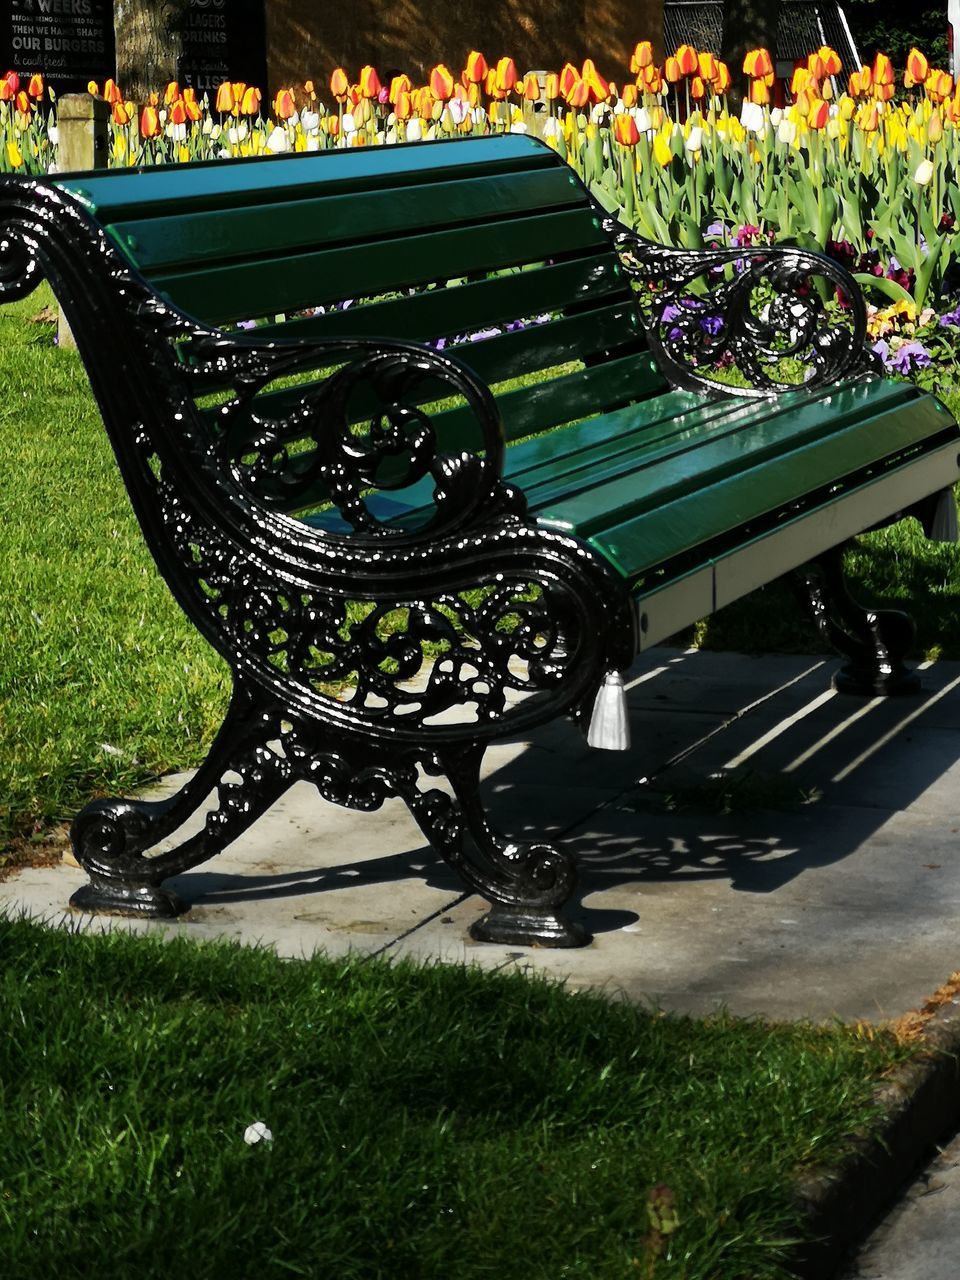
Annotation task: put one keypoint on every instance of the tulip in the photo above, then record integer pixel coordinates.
(506, 75)
(579, 94)
(403, 109)
(918, 68)
(339, 84)
(14, 154)
(332, 125)
(123, 112)
(530, 87)
(35, 87)
(171, 94)
(854, 87)
(707, 66)
(112, 93)
(687, 60)
(250, 103)
(759, 92)
(818, 115)
(800, 80)
(441, 82)
(758, 63)
(178, 112)
(598, 87)
(830, 59)
(786, 132)
(283, 105)
(625, 130)
(551, 88)
(816, 67)
(870, 120)
(225, 100)
(24, 105)
(476, 68)
(924, 173)
(935, 126)
(308, 88)
(13, 80)
(723, 79)
(149, 122)
(92, 88)
(642, 56)
(866, 79)
(369, 82)
(882, 70)
(399, 84)
(661, 151)
(671, 71)
(568, 78)
(883, 92)
(630, 95)
(697, 89)
(694, 139)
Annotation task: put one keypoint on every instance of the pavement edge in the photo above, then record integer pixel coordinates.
(922, 1104)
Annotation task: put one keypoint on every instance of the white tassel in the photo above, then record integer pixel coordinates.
(943, 526)
(609, 726)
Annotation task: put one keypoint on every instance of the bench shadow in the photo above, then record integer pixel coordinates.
(824, 773)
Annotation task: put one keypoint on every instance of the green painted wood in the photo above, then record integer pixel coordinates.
(225, 294)
(475, 305)
(155, 243)
(681, 522)
(113, 195)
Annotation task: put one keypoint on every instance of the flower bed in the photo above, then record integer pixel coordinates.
(868, 175)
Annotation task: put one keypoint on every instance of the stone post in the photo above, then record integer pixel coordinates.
(83, 140)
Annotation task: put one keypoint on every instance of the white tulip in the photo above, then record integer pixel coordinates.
(551, 127)
(924, 173)
(694, 140)
(309, 120)
(786, 132)
(642, 117)
(278, 141)
(414, 129)
(751, 117)
(348, 124)
(313, 142)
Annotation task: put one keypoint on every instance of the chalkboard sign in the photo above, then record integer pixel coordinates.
(223, 40)
(69, 41)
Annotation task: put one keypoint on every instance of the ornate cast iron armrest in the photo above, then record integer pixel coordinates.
(701, 317)
(284, 453)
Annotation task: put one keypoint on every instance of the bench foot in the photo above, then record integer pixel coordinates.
(518, 926)
(149, 902)
(875, 641)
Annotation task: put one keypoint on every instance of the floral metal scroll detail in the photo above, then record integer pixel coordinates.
(756, 308)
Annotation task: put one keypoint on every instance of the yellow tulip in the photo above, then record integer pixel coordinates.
(14, 154)
(661, 150)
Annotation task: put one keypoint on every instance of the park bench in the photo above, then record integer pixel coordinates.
(471, 459)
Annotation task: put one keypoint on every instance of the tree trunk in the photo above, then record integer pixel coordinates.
(148, 45)
(747, 24)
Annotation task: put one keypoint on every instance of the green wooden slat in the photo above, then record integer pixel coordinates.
(674, 526)
(778, 428)
(230, 293)
(153, 243)
(507, 356)
(227, 184)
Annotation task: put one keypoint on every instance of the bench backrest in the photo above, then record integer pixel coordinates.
(367, 234)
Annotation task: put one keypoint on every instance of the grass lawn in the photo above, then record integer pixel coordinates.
(427, 1122)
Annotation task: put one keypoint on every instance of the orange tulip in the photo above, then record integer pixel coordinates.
(250, 103)
(178, 112)
(24, 105)
(723, 79)
(687, 60)
(599, 88)
(630, 95)
(530, 87)
(883, 92)
(225, 99)
(671, 71)
(578, 95)
(652, 79)
(918, 68)
(816, 67)
(403, 106)
(697, 89)
(882, 70)
(308, 88)
(866, 79)
(123, 112)
(441, 82)
(854, 87)
(7, 91)
(35, 87)
(332, 125)
(339, 84)
(171, 93)
(870, 120)
(426, 101)
(551, 88)
(506, 75)
(568, 78)
(625, 130)
(758, 63)
(759, 92)
(369, 82)
(818, 115)
(192, 107)
(707, 66)
(112, 93)
(149, 122)
(399, 84)
(239, 89)
(642, 56)
(14, 81)
(476, 68)
(283, 105)
(830, 59)
(935, 126)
